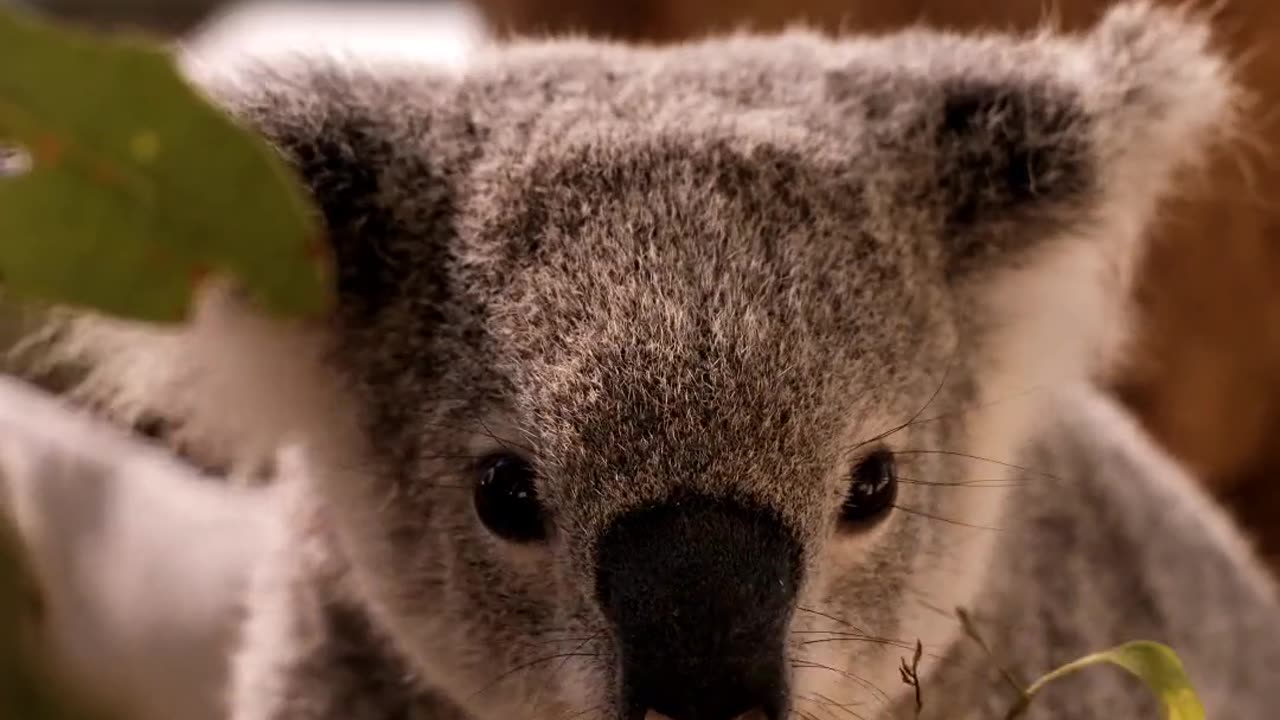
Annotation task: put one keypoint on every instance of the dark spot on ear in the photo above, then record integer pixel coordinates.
(1008, 151)
(960, 111)
(379, 182)
(348, 164)
(390, 212)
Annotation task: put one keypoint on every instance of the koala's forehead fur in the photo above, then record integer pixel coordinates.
(705, 260)
(727, 268)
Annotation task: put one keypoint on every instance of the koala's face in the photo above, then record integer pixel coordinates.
(702, 400)
(692, 380)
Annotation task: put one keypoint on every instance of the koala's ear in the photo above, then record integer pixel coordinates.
(1031, 170)
(1007, 153)
(1011, 143)
(378, 174)
(346, 162)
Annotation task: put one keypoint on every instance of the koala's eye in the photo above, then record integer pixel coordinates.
(872, 489)
(507, 501)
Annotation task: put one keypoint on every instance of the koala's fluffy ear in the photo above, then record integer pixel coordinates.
(1012, 143)
(372, 164)
(1038, 164)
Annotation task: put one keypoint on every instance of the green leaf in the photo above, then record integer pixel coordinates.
(136, 187)
(1157, 665)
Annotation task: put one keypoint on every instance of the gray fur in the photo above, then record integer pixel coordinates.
(732, 267)
(1127, 547)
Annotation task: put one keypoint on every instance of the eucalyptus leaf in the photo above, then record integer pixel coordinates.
(122, 186)
(1155, 664)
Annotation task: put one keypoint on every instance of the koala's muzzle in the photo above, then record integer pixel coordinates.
(700, 595)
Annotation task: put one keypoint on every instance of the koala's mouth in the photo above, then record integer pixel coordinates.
(700, 594)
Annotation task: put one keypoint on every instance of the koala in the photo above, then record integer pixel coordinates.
(708, 381)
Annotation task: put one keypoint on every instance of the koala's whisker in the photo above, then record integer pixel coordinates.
(806, 715)
(949, 414)
(931, 607)
(974, 407)
(989, 483)
(919, 596)
(937, 392)
(818, 698)
(582, 713)
(501, 441)
(454, 456)
(832, 632)
(552, 641)
(832, 618)
(537, 698)
(803, 714)
(486, 432)
(957, 453)
(852, 677)
(949, 521)
(526, 666)
(854, 637)
(554, 635)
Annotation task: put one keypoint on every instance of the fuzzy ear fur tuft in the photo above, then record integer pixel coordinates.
(1024, 141)
(1102, 126)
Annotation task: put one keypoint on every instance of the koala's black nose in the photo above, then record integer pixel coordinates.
(700, 594)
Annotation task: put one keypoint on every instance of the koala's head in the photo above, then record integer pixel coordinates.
(689, 380)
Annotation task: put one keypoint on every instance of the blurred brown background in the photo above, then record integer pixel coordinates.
(1206, 373)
